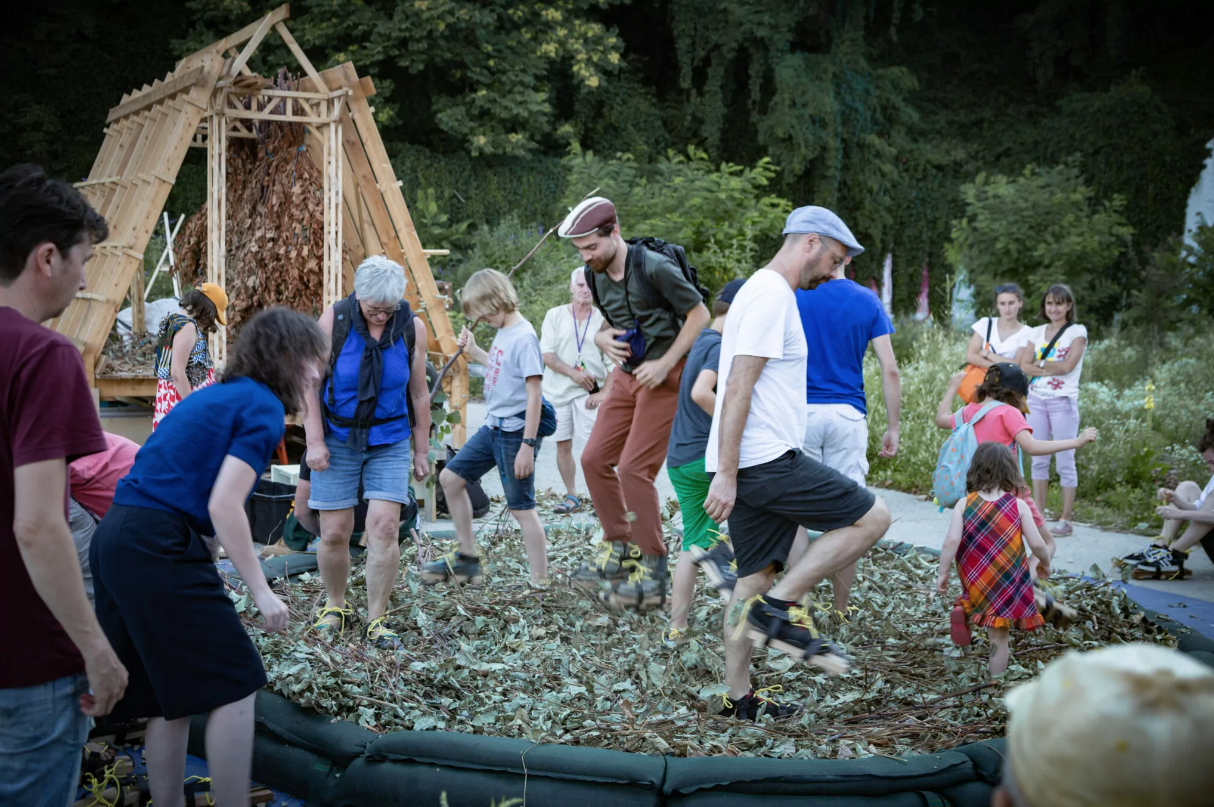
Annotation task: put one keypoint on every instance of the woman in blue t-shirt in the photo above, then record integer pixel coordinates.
(159, 597)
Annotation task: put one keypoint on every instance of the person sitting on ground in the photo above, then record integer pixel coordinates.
(575, 378)
(762, 481)
(92, 480)
(1189, 504)
(1000, 338)
(841, 319)
(514, 368)
(1004, 390)
(703, 544)
(1129, 725)
(652, 314)
(373, 401)
(57, 668)
(160, 598)
(183, 359)
(987, 536)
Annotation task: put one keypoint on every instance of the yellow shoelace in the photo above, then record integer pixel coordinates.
(379, 629)
(97, 787)
(639, 571)
(206, 780)
(760, 696)
(322, 620)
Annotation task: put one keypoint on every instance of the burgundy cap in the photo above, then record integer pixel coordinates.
(587, 217)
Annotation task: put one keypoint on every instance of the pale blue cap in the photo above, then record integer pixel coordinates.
(819, 220)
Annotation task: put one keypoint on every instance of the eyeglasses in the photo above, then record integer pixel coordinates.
(379, 312)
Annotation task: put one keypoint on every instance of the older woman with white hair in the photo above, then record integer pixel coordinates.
(372, 400)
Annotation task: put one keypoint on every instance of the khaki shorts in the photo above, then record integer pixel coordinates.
(836, 435)
(574, 421)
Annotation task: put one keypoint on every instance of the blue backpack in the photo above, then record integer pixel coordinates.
(948, 480)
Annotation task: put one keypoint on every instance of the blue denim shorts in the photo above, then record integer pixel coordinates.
(490, 447)
(41, 732)
(385, 472)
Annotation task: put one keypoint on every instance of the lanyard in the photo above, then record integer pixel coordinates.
(581, 340)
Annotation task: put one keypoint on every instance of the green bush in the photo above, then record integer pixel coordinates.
(1139, 449)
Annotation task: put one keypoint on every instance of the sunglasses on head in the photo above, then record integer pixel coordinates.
(1007, 288)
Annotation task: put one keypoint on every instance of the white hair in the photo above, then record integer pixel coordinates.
(379, 279)
(578, 272)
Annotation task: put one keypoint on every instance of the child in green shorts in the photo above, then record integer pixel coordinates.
(703, 544)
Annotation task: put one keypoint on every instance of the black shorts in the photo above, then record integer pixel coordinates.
(778, 496)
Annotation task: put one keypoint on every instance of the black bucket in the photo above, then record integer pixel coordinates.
(268, 509)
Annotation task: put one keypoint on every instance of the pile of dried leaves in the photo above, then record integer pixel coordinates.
(275, 233)
(558, 667)
(129, 356)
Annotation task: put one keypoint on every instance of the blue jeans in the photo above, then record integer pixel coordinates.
(384, 470)
(490, 447)
(42, 731)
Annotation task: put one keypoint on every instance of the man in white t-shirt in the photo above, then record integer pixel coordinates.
(763, 483)
(575, 378)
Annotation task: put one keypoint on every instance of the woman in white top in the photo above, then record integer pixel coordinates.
(1165, 556)
(999, 339)
(1053, 366)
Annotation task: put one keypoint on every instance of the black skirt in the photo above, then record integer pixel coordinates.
(164, 608)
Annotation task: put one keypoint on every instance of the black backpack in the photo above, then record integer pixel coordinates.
(637, 248)
(402, 325)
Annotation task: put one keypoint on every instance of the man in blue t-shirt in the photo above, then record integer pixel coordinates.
(841, 318)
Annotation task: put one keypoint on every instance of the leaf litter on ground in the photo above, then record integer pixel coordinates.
(558, 666)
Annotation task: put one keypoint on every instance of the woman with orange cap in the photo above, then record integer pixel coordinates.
(183, 360)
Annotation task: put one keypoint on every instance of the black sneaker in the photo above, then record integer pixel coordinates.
(754, 706)
(645, 586)
(1167, 564)
(1151, 552)
(454, 566)
(608, 567)
(719, 567)
(792, 631)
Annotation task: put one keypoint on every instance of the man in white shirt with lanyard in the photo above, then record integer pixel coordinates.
(575, 378)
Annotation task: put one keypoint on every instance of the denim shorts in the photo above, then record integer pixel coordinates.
(490, 447)
(385, 472)
(41, 732)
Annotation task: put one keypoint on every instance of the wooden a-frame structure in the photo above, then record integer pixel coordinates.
(211, 96)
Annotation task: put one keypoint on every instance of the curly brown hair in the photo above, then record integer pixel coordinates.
(275, 348)
(993, 467)
(1207, 440)
(199, 308)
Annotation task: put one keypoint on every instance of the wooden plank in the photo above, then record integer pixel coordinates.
(183, 82)
(126, 386)
(242, 36)
(259, 34)
(300, 56)
(248, 114)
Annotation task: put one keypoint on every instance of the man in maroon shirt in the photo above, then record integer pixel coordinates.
(56, 668)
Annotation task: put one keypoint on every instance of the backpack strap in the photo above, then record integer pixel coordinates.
(636, 259)
(986, 407)
(594, 295)
(402, 326)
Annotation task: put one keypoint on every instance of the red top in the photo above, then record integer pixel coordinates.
(46, 412)
(1000, 425)
(92, 479)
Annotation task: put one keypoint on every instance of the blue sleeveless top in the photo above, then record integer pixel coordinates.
(393, 390)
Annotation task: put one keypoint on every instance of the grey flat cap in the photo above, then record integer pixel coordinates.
(819, 220)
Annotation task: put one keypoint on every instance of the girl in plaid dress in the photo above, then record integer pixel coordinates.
(987, 537)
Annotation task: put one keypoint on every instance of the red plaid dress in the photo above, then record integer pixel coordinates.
(993, 566)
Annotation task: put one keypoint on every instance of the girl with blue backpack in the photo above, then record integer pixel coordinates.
(995, 416)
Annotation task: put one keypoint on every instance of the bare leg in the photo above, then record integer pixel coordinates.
(682, 590)
(164, 754)
(737, 648)
(1041, 489)
(383, 555)
(535, 542)
(564, 464)
(1194, 532)
(842, 581)
(333, 555)
(1189, 492)
(833, 551)
(1000, 652)
(799, 546)
(460, 508)
(308, 518)
(230, 751)
(1068, 503)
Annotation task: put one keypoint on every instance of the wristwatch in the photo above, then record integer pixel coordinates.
(529, 441)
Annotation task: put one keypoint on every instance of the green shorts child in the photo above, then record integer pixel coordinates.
(690, 484)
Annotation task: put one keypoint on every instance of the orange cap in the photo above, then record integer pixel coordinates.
(219, 297)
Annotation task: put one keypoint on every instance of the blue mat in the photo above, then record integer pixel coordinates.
(1197, 615)
(195, 767)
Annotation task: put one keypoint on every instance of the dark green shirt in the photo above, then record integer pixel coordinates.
(660, 326)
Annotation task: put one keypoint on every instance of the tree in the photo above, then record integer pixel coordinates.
(1041, 227)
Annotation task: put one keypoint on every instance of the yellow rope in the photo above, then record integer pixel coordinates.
(206, 780)
(97, 788)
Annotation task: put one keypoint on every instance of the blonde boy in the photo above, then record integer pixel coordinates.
(514, 370)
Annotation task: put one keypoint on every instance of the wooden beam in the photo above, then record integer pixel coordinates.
(126, 385)
(244, 69)
(300, 56)
(147, 99)
(242, 36)
(250, 48)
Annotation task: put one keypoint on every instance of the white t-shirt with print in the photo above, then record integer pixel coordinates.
(1005, 348)
(560, 334)
(1057, 386)
(764, 321)
(1205, 494)
(514, 357)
